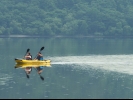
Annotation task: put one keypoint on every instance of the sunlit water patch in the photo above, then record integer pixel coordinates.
(4, 79)
(116, 63)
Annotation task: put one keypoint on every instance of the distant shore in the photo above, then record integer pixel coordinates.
(42, 36)
(37, 36)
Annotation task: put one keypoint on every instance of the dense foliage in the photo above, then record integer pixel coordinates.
(66, 17)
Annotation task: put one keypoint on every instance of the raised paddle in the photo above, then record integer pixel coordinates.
(40, 51)
(27, 52)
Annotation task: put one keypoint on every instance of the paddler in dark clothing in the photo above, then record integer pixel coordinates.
(39, 56)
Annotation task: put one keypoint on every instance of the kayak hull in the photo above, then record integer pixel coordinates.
(32, 62)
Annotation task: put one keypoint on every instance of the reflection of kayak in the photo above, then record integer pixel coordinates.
(32, 65)
(23, 61)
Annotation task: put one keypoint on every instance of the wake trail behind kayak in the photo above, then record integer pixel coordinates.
(117, 63)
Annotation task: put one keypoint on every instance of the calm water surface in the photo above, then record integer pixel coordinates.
(81, 68)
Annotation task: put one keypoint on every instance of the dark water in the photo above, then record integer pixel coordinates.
(81, 68)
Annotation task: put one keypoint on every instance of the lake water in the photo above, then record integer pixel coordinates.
(80, 68)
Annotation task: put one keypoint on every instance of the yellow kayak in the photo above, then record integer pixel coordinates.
(32, 62)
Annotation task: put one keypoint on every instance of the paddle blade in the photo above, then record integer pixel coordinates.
(41, 48)
(28, 50)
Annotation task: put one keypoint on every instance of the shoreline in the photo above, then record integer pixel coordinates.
(40, 36)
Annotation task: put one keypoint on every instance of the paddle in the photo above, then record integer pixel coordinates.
(27, 52)
(42, 78)
(40, 51)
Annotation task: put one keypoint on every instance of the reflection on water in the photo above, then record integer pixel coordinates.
(115, 63)
(28, 69)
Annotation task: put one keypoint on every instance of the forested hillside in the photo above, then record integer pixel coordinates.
(66, 17)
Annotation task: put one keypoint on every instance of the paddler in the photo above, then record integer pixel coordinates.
(28, 56)
(39, 56)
